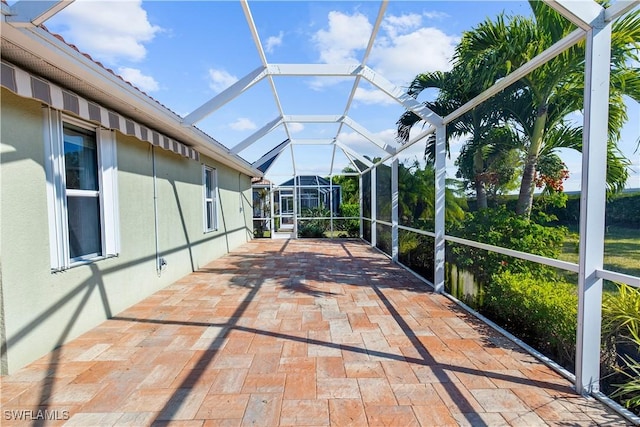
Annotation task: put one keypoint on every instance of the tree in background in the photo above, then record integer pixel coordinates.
(483, 127)
(545, 97)
(532, 117)
(416, 204)
(349, 186)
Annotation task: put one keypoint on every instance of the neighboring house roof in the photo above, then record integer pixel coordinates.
(260, 182)
(266, 160)
(49, 56)
(308, 180)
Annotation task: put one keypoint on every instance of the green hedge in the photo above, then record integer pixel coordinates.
(501, 227)
(349, 226)
(542, 313)
(622, 209)
(621, 345)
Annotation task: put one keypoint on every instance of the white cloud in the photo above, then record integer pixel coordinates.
(242, 123)
(373, 96)
(107, 32)
(435, 15)
(362, 145)
(401, 57)
(387, 135)
(321, 83)
(273, 42)
(402, 24)
(141, 81)
(346, 34)
(404, 48)
(351, 139)
(413, 153)
(295, 127)
(220, 79)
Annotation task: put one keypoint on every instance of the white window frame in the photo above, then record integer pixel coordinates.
(57, 191)
(209, 197)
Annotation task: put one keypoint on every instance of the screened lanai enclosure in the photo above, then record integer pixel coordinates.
(295, 203)
(324, 169)
(413, 229)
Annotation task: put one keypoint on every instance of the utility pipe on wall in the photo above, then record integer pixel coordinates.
(159, 260)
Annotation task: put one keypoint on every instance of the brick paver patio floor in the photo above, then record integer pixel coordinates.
(296, 333)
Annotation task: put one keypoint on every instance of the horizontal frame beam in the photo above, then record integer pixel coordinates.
(316, 118)
(563, 265)
(325, 70)
(582, 13)
(313, 141)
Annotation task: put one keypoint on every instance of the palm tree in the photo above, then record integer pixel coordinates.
(478, 125)
(416, 203)
(554, 90)
(494, 161)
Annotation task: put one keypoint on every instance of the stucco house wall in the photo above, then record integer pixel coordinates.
(42, 309)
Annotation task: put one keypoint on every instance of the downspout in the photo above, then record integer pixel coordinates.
(159, 261)
(295, 207)
(247, 226)
(241, 208)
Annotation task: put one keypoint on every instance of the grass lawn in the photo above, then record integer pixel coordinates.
(621, 249)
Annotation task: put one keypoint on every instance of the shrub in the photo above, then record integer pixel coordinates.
(621, 345)
(315, 227)
(416, 252)
(310, 229)
(350, 226)
(629, 391)
(383, 238)
(621, 210)
(542, 313)
(500, 227)
(621, 316)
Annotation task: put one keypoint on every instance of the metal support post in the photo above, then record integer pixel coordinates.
(360, 197)
(394, 209)
(330, 204)
(295, 207)
(440, 205)
(272, 217)
(592, 205)
(374, 204)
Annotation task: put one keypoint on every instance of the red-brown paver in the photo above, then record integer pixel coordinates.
(298, 333)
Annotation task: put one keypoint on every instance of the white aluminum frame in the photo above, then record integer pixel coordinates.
(595, 24)
(592, 205)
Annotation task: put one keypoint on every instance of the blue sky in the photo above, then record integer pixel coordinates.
(183, 53)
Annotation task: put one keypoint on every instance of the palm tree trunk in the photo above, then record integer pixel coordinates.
(525, 198)
(478, 168)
